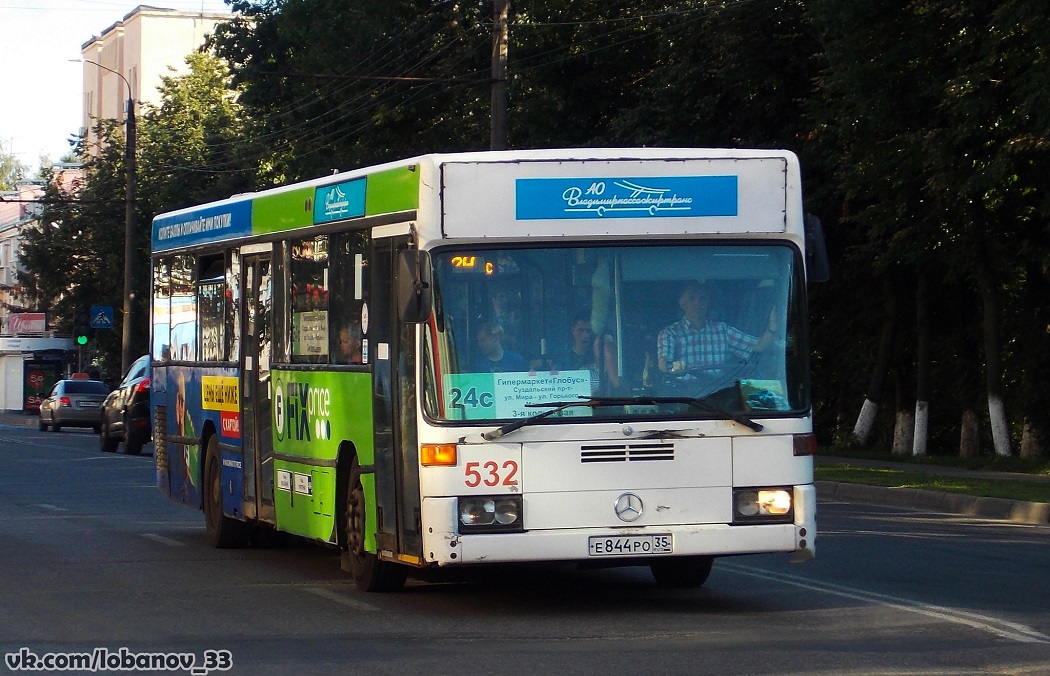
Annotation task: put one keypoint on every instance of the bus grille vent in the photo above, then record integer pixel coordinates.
(626, 452)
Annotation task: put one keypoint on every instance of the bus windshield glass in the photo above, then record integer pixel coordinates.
(646, 327)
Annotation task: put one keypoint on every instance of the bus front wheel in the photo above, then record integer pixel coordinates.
(223, 531)
(682, 572)
(370, 574)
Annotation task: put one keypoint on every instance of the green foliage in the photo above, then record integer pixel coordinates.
(923, 127)
(75, 259)
(69, 262)
(11, 170)
(1028, 491)
(192, 145)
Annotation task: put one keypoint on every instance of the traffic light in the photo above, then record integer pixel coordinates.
(82, 327)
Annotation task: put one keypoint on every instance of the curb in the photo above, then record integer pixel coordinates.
(1016, 511)
(17, 418)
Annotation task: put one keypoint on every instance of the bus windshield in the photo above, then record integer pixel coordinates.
(650, 328)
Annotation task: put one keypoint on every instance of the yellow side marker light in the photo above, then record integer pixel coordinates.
(431, 455)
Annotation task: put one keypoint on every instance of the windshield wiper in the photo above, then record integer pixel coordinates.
(594, 402)
(696, 402)
(559, 406)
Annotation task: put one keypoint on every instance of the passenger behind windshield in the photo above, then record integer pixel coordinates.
(584, 354)
(492, 357)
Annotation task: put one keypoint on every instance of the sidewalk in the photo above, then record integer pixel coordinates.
(934, 501)
(17, 418)
(1003, 509)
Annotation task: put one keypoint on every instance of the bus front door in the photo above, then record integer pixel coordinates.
(255, 386)
(396, 463)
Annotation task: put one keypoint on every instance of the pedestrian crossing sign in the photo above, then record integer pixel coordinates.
(102, 316)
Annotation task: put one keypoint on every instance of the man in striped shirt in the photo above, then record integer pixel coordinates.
(697, 342)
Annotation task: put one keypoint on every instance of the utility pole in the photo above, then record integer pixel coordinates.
(126, 356)
(130, 170)
(498, 132)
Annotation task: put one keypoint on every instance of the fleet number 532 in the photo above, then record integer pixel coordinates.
(491, 474)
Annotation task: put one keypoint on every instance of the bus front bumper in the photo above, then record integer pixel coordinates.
(443, 544)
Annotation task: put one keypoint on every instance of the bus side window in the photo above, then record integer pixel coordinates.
(348, 310)
(310, 285)
(184, 308)
(161, 309)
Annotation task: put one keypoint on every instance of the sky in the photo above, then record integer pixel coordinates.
(41, 91)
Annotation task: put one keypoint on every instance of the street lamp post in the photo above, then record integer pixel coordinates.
(126, 356)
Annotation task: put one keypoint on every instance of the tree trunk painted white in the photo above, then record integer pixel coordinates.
(865, 421)
(922, 427)
(1032, 443)
(969, 437)
(902, 432)
(1000, 430)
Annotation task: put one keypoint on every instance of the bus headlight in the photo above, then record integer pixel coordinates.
(762, 505)
(490, 514)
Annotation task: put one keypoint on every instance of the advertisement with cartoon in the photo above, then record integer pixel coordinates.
(203, 404)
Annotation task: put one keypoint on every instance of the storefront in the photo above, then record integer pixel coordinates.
(28, 369)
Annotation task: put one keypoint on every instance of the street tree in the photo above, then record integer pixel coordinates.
(11, 169)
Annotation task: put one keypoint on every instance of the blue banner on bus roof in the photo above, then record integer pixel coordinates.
(203, 225)
(339, 201)
(623, 197)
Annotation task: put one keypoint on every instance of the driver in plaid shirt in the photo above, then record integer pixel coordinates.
(696, 342)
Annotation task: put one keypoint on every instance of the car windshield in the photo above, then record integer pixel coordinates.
(644, 327)
(86, 387)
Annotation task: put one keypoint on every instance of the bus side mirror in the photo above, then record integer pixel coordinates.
(817, 268)
(415, 281)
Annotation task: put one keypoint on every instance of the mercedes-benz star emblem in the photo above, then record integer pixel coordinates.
(628, 507)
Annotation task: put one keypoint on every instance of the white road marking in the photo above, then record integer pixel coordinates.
(993, 625)
(163, 540)
(341, 599)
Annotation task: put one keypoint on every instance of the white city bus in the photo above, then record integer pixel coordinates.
(587, 355)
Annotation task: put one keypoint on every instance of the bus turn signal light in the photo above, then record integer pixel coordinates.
(805, 444)
(431, 455)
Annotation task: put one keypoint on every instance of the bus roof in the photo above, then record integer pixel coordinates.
(459, 194)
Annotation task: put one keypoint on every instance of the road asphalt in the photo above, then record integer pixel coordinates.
(935, 501)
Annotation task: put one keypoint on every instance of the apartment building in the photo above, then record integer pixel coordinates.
(136, 52)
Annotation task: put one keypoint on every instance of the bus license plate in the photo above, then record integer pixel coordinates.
(630, 545)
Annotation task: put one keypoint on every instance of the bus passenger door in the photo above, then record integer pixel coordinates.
(255, 386)
(394, 396)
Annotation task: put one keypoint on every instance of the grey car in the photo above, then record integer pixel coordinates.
(73, 403)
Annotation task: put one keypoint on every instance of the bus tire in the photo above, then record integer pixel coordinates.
(682, 572)
(370, 573)
(223, 532)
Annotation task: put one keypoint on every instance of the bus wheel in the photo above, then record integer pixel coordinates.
(370, 574)
(223, 532)
(682, 572)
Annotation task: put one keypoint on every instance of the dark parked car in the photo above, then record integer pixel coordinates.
(72, 403)
(126, 411)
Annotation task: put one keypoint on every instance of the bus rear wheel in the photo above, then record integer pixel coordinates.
(682, 572)
(223, 532)
(370, 574)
